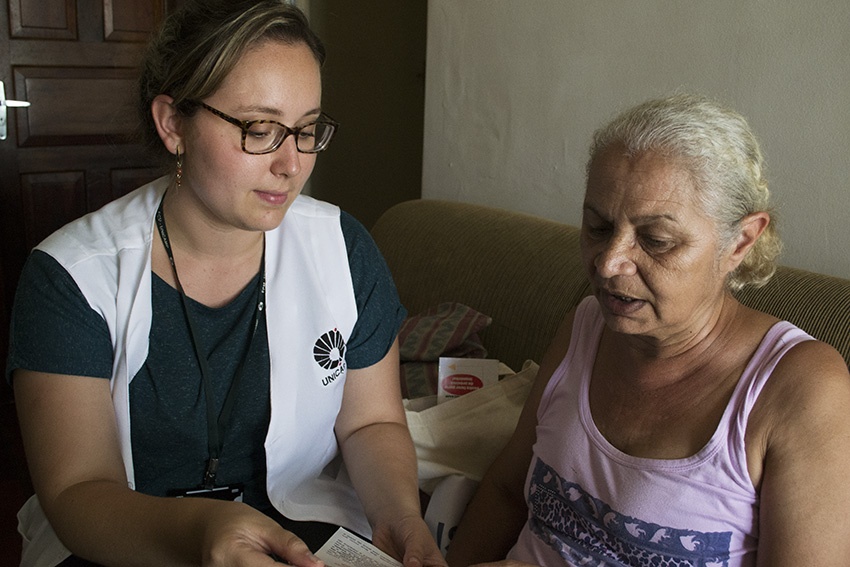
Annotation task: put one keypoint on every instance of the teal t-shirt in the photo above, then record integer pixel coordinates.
(54, 330)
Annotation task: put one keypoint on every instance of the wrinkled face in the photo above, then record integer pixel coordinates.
(274, 81)
(649, 249)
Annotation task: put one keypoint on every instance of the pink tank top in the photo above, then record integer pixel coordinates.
(593, 505)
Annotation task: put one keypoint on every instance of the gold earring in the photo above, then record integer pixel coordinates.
(178, 177)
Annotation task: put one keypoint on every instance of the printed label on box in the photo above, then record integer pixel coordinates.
(459, 376)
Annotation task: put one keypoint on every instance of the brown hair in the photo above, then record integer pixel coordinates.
(197, 47)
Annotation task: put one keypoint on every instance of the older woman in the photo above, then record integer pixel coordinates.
(670, 424)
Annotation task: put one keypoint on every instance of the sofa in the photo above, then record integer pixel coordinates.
(524, 273)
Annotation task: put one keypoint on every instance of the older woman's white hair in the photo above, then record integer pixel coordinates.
(718, 148)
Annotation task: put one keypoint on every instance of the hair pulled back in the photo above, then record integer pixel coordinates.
(194, 50)
(721, 153)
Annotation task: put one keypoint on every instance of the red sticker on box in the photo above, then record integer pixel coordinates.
(460, 384)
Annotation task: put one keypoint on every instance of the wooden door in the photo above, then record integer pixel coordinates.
(72, 150)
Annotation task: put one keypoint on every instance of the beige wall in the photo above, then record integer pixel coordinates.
(515, 89)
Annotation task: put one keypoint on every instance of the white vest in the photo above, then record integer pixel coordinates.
(310, 313)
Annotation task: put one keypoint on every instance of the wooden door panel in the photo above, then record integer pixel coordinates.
(51, 200)
(127, 20)
(123, 20)
(69, 54)
(75, 105)
(43, 19)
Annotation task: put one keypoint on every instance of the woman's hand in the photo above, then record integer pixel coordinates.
(244, 536)
(409, 540)
(70, 434)
(372, 432)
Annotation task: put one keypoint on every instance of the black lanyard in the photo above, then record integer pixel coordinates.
(216, 426)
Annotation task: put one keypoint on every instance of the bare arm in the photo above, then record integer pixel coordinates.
(380, 458)
(71, 440)
(498, 511)
(802, 424)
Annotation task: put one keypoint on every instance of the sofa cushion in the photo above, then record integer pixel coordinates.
(522, 271)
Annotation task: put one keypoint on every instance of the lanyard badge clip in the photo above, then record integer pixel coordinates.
(209, 476)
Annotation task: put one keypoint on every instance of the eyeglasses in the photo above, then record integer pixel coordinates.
(265, 136)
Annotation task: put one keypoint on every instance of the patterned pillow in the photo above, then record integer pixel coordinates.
(449, 329)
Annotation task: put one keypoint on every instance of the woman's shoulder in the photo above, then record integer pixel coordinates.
(809, 384)
(804, 404)
(811, 365)
(801, 354)
(120, 224)
(797, 361)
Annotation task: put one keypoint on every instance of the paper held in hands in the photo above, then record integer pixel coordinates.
(345, 549)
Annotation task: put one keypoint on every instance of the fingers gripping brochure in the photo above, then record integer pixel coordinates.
(345, 549)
